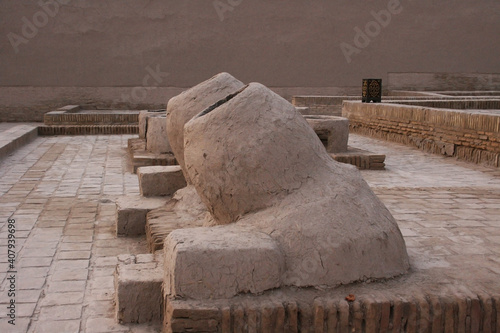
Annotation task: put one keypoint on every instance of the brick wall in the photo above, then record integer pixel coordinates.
(416, 313)
(88, 129)
(467, 135)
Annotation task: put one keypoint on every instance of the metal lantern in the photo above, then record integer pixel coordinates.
(372, 90)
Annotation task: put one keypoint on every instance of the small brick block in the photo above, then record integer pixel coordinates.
(156, 135)
(138, 292)
(160, 180)
(333, 131)
(143, 121)
(204, 263)
(131, 214)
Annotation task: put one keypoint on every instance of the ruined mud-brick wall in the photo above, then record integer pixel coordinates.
(470, 135)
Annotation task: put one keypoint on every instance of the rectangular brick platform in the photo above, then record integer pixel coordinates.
(87, 129)
(470, 135)
(73, 120)
(75, 115)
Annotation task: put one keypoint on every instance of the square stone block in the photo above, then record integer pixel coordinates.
(332, 131)
(131, 214)
(144, 115)
(138, 291)
(160, 180)
(156, 135)
(220, 262)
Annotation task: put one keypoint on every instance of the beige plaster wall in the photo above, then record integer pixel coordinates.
(129, 47)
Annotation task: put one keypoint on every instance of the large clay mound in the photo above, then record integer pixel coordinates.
(255, 161)
(186, 210)
(183, 107)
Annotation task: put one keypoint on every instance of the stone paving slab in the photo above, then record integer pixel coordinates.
(61, 192)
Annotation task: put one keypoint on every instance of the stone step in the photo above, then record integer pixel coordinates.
(15, 137)
(332, 131)
(362, 159)
(160, 180)
(131, 213)
(145, 158)
(135, 144)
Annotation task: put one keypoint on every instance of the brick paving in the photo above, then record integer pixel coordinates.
(61, 192)
(448, 212)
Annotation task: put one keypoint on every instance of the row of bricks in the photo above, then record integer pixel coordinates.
(418, 313)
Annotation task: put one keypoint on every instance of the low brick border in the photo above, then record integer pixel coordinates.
(55, 118)
(88, 129)
(74, 115)
(466, 135)
(415, 313)
(16, 137)
(478, 104)
(332, 105)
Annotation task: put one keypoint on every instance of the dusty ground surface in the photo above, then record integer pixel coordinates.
(60, 191)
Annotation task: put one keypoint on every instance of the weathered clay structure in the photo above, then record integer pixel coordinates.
(265, 205)
(152, 130)
(288, 214)
(333, 131)
(266, 209)
(183, 107)
(186, 209)
(156, 140)
(143, 118)
(157, 181)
